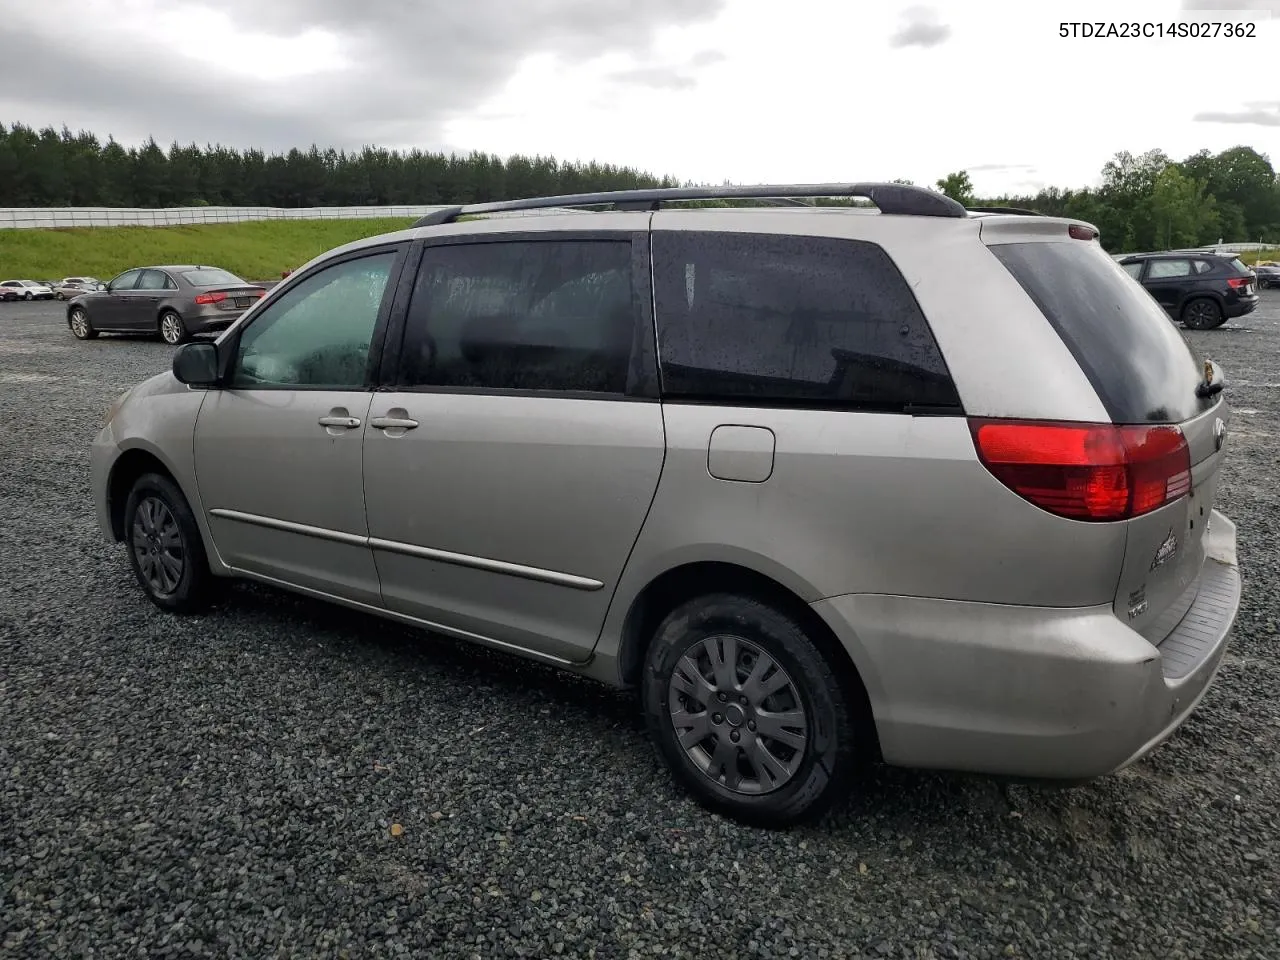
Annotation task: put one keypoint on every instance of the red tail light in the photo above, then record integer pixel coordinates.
(1086, 471)
(207, 298)
(1078, 232)
(1239, 282)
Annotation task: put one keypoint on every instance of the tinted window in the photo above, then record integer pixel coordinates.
(318, 333)
(1140, 365)
(1238, 265)
(1164, 269)
(153, 280)
(515, 315)
(778, 319)
(1203, 266)
(210, 277)
(126, 280)
(1134, 269)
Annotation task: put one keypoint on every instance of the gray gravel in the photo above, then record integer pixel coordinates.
(227, 786)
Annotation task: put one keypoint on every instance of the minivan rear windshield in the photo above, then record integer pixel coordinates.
(1141, 366)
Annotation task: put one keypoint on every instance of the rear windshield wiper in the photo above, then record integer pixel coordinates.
(1213, 381)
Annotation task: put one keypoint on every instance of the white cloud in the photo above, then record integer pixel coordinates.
(747, 90)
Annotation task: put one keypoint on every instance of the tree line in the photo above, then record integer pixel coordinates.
(1152, 202)
(51, 168)
(1145, 202)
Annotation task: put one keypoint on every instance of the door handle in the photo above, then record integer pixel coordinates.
(348, 422)
(393, 423)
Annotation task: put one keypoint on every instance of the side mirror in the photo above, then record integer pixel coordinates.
(196, 364)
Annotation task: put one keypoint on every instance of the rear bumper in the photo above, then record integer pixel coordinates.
(210, 319)
(1062, 693)
(1242, 306)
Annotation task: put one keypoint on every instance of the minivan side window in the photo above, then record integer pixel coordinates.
(554, 315)
(318, 333)
(767, 319)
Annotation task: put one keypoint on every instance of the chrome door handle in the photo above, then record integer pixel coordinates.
(348, 422)
(393, 423)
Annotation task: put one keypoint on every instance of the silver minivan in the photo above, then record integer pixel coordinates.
(824, 484)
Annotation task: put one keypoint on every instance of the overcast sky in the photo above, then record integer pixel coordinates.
(708, 90)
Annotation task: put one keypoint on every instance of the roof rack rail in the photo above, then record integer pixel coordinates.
(891, 198)
(1020, 211)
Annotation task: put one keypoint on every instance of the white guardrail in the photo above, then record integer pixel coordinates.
(17, 218)
(46, 217)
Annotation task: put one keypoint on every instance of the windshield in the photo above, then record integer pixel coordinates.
(210, 277)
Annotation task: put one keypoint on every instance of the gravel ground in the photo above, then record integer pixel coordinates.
(232, 785)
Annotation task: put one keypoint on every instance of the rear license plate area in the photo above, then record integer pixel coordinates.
(242, 302)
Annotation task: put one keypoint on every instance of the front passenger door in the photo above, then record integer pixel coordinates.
(107, 312)
(278, 450)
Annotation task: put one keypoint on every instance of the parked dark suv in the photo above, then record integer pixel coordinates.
(1203, 290)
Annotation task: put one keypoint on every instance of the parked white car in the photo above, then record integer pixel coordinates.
(24, 290)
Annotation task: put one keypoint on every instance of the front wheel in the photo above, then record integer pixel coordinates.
(81, 329)
(748, 711)
(1202, 315)
(28, 296)
(165, 549)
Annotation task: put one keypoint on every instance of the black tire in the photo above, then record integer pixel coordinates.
(84, 330)
(170, 320)
(195, 587)
(822, 770)
(1202, 313)
(28, 296)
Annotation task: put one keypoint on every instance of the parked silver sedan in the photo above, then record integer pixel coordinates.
(171, 301)
(69, 287)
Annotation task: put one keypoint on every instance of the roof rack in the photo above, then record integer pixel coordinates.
(1019, 211)
(891, 198)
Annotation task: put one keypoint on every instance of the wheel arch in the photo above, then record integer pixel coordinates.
(1216, 296)
(129, 466)
(678, 584)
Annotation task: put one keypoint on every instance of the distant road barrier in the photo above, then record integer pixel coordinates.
(17, 218)
(46, 217)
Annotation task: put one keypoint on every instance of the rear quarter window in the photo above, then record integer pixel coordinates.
(783, 320)
(1141, 366)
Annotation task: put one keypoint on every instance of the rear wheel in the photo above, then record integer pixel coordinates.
(1202, 314)
(748, 711)
(165, 549)
(172, 330)
(28, 296)
(81, 329)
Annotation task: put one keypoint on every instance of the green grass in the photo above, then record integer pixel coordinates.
(1253, 256)
(257, 250)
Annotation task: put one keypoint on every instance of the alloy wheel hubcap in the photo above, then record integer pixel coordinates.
(737, 715)
(171, 330)
(78, 324)
(158, 547)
